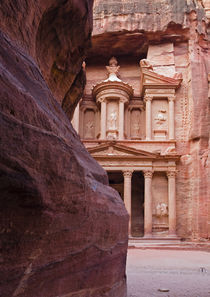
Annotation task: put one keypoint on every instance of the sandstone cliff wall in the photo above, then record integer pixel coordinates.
(129, 28)
(63, 230)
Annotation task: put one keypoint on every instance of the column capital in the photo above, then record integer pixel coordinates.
(148, 173)
(171, 173)
(171, 98)
(123, 100)
(102, 99)
(127, 173)
(148, 98)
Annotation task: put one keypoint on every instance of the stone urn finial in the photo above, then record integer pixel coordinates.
(113, 62)
(113, 69)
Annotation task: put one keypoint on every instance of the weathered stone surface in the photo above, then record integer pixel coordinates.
(138, 23)
(63, 229)
(134, 30)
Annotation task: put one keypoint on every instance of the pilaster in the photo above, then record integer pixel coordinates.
(103, 118)
(121, 119)
(148, 100)
(171, 123)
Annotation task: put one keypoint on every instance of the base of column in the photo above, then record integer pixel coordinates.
(172, 235)
(148, 235)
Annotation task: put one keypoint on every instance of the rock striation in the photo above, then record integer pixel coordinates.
(63, 230)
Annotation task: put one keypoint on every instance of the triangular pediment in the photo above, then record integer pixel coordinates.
(117, 150)
(153, 78)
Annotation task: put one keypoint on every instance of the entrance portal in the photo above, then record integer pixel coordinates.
(137, 205)
(116, 181)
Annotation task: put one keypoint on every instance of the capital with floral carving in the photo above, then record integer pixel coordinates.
(171, 174)
(102, 99)
(148, 173)
(123, 100)
(148, 98)
(171, 98)
(128, 173)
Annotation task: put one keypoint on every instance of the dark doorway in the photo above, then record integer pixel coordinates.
(137, 205)
(116, 181)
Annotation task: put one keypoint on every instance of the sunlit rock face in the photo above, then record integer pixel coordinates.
(63, 229)
(173, 36)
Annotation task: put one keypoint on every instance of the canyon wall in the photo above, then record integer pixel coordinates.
(63, 230)
(133, 30)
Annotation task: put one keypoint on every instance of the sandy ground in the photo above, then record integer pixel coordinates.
(180, 273)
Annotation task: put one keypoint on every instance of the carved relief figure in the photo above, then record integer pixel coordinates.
(161, 117)
(161, 209)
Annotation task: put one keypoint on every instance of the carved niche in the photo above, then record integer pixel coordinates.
(112, 119)
(89, 124)
(160, 202)
(160, 119)
(135, 128)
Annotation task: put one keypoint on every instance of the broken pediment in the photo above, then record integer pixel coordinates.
(116, 150)
(153, 80)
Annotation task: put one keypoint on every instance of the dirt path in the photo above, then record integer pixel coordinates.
(180, 273)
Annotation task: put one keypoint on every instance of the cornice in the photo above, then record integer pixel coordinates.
(109, 85)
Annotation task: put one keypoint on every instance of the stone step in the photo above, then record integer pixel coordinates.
(154, 240)
(168, 244)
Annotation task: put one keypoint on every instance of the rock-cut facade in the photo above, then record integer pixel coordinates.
(144, 115)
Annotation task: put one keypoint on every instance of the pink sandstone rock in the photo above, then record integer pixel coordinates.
(63, 230)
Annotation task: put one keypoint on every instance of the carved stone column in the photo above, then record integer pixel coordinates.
(127, 195)
(148, 118)
(171, 122)
(75, 120)
(148, 203)
(103, 118)
(121, 119)
(172, 202)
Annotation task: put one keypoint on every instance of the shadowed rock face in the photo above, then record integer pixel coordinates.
(138, 23)
(63, 230)
(56, 34)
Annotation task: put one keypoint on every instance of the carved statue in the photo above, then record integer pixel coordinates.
(170, 150)
(113, 120)
(89, 129)
(112, 136)
(178, 76)
(135, 129)
(144, 63)
(161, 118)
(161, 209)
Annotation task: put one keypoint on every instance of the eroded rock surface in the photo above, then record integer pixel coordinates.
(63, 229)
